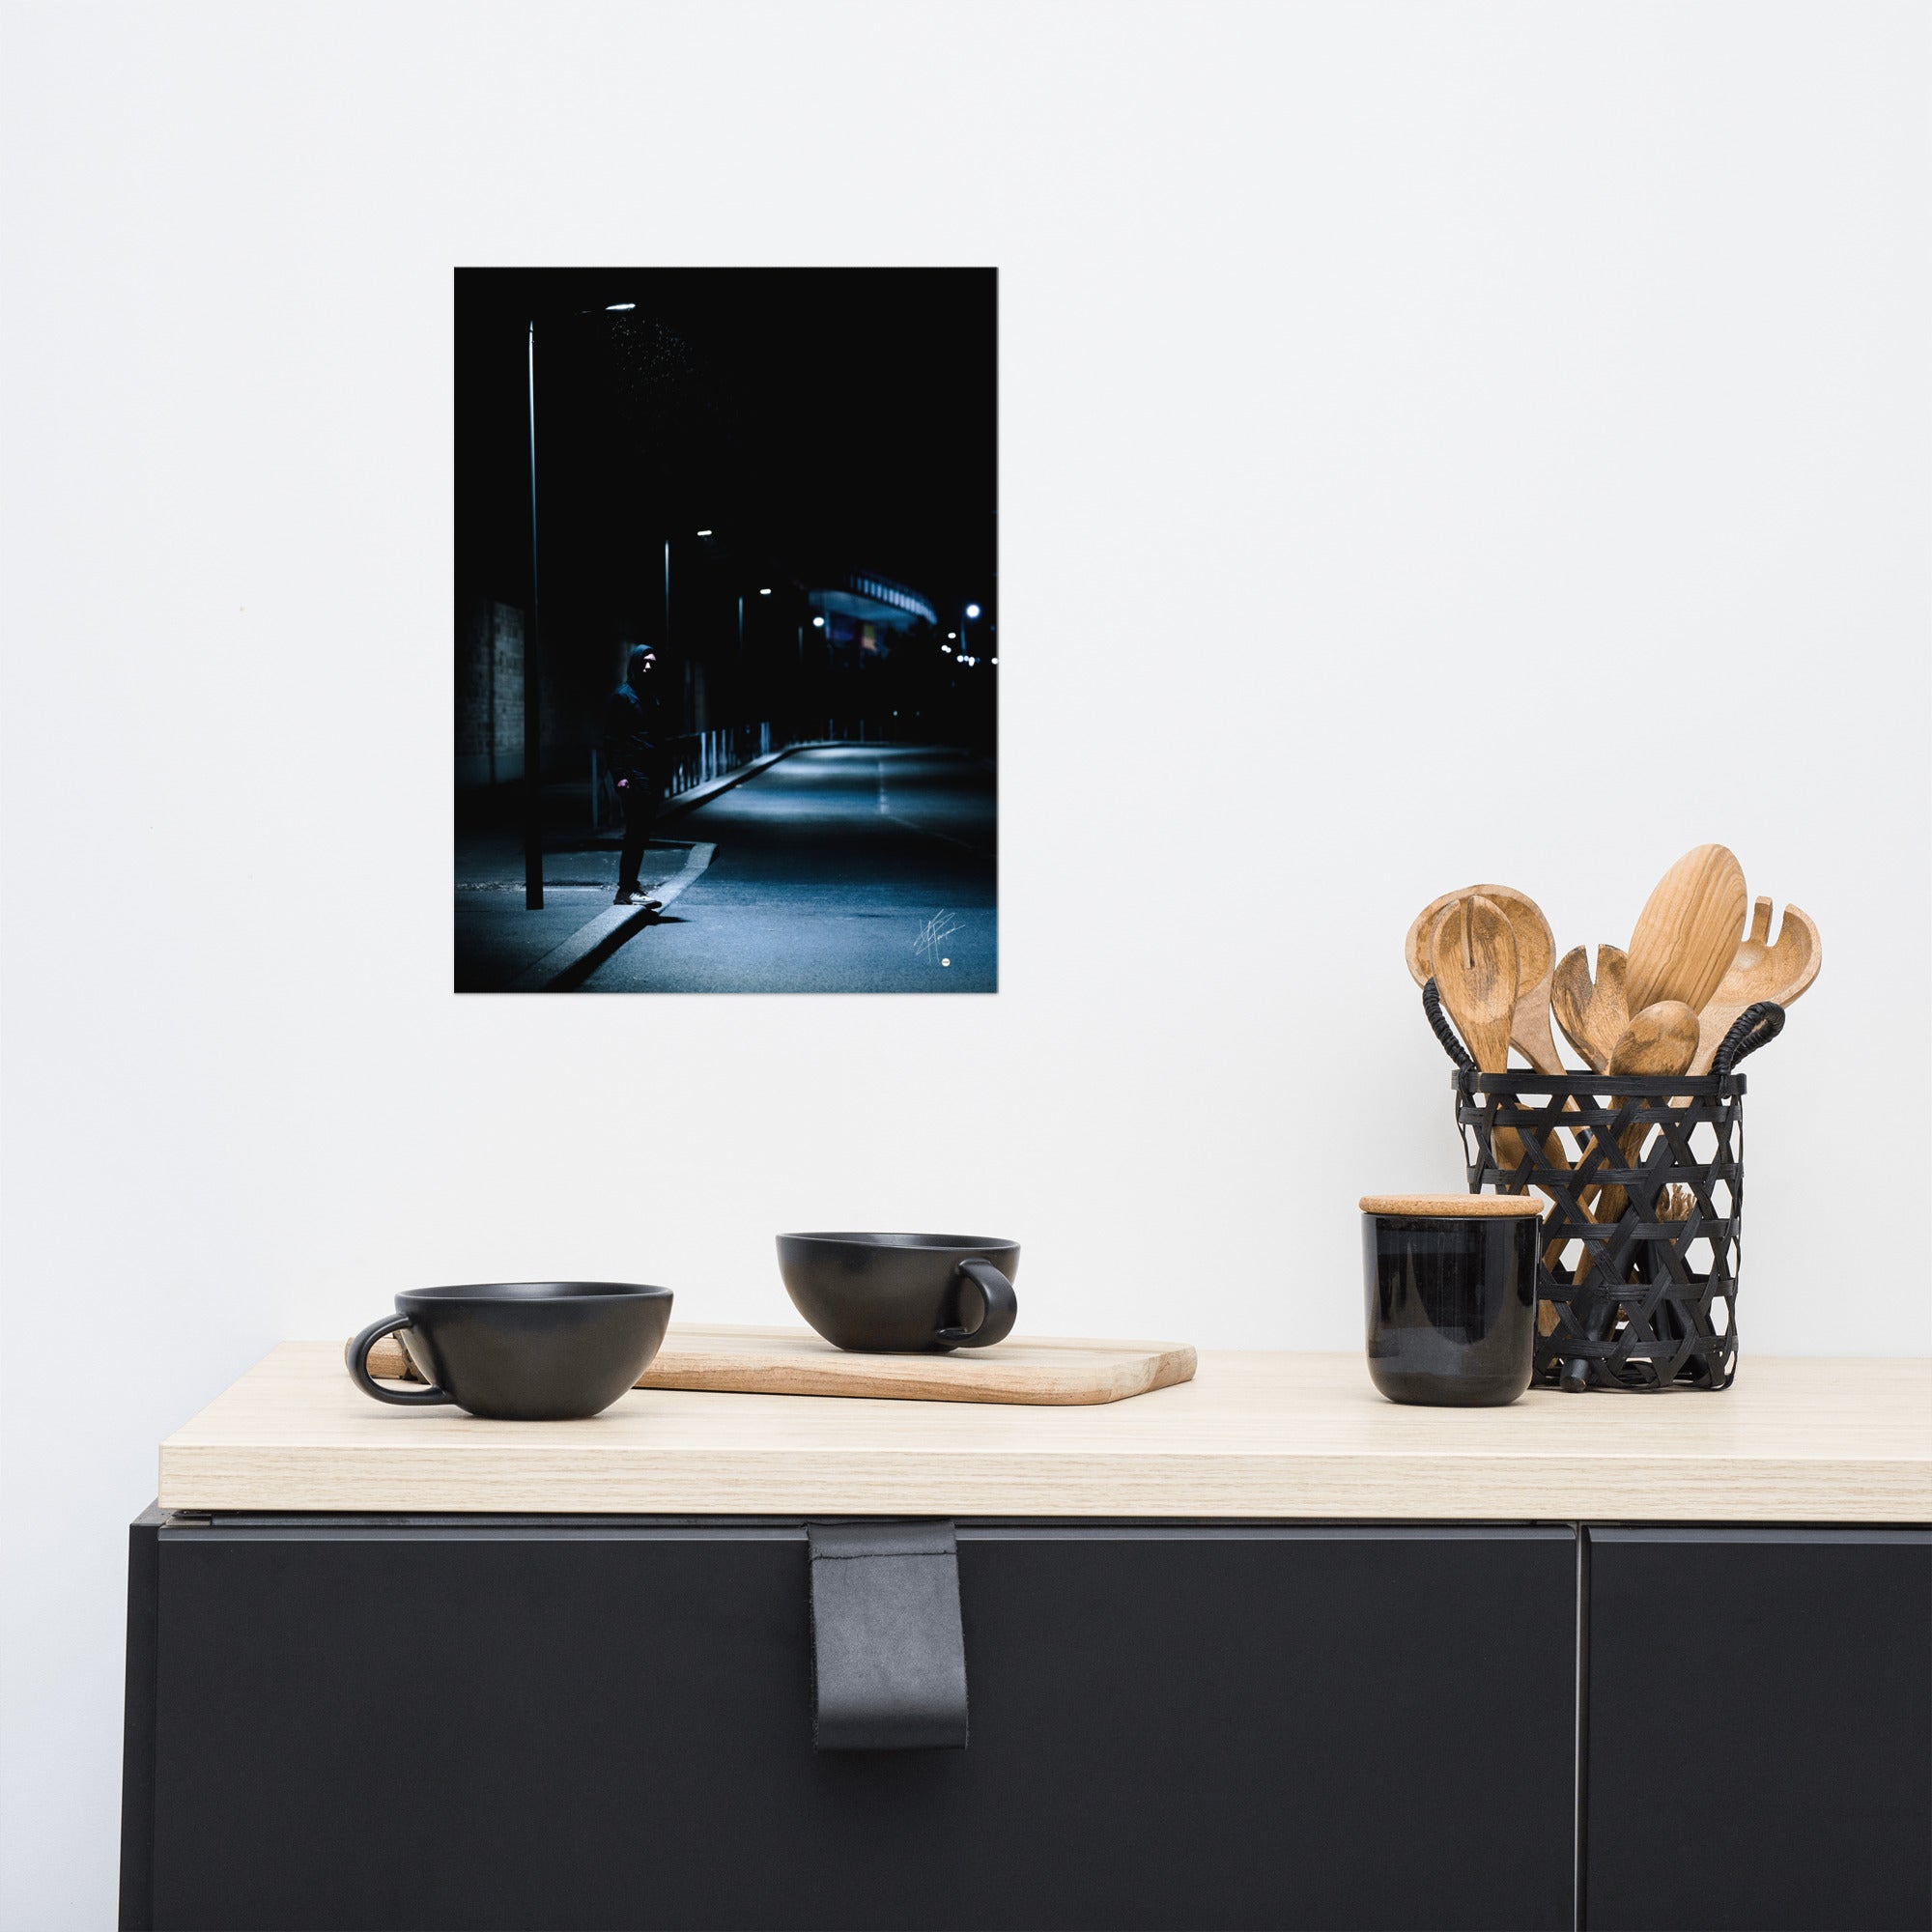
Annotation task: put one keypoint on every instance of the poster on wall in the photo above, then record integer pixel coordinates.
(726, 625)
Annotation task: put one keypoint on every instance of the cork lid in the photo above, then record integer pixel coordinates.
(1466, 1207)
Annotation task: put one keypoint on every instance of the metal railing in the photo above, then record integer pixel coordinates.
(693, 758)
(696, 758)
(699, 756)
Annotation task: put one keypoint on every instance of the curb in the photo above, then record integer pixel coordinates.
(572, 961)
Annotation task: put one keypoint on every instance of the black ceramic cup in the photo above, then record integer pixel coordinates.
(903, 1295)
(520, 1351)
(1451, 1289)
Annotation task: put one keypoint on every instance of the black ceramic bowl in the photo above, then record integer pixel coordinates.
(1450, 1297)
(521, 1350)
(903, 1295)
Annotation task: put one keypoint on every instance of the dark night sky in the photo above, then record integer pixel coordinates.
(820, 419)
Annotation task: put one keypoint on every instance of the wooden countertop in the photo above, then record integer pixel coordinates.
(1253, 1434)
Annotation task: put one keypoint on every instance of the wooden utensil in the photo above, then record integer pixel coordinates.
(1535, 958)
(1759, 970)
(1593, 1016)
(1688, 933)
(1470, 947)
(1659, 1043)
(1473, 954)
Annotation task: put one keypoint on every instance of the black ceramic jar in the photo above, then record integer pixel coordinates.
(1450, 1283)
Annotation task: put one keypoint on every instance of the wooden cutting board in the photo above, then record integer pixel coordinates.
(794, 1361)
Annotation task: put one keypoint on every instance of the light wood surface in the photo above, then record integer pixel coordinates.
(1447, 1207)
(794, 1361)
(1536, 961)
(1593, 1014)
(1687, 932)
(1760, 970)
(1251, 1436)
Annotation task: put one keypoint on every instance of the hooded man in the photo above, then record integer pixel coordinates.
(632, 737)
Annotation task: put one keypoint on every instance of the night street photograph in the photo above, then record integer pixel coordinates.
(727, 664)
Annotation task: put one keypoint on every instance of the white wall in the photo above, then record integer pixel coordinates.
(1519, 414)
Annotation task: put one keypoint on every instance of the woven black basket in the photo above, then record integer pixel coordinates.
(1646, 1300)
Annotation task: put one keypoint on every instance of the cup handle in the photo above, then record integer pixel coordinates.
(357, 1355)
(999, 1306)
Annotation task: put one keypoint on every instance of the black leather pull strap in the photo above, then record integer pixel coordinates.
(888, 1658)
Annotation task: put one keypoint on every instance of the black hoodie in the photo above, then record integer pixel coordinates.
(633, 730)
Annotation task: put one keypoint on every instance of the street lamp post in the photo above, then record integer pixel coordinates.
(533, 892)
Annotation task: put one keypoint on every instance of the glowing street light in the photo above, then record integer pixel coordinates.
(704, 533)
(818, 623)
(765, 593)
(617, 309)
(972, 609)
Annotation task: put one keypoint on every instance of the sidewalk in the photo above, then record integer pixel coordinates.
(498, 940)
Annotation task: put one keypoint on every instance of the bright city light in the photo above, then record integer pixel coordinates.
(947, 648)
(611, 309)
(972, 609)
(764, 593)
(818, 623)
(704, 533)
(952, 634)
(992, 660)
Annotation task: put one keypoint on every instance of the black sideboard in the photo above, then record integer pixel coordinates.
(427, 1721)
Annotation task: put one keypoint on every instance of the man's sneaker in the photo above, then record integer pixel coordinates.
(637, 895)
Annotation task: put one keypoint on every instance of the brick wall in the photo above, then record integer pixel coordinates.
(489, 693)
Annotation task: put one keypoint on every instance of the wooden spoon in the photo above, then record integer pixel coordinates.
(1661, 1042)
(1535, 958)
(1593, 1017)
(1688, 933)
(1759, 970)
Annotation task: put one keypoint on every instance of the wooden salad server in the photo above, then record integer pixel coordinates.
(1536, 960)
(1471, 948)
(1687, 932)
(1593, 1017)
(1472, 955)
(1759, 970)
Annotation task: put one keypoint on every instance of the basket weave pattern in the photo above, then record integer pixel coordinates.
(1645, 1303)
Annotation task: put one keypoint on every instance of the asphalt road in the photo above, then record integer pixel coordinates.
(850, 869)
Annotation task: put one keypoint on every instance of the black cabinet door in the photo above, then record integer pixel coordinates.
(606, 1723)
(1760, 1730)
